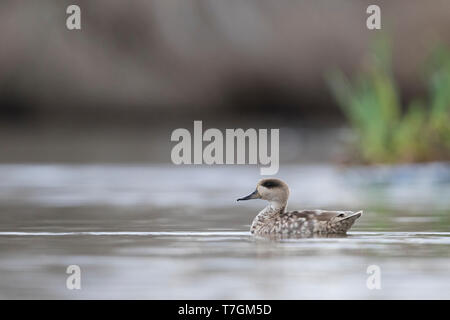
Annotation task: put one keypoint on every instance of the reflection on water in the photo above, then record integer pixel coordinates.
(176, 232)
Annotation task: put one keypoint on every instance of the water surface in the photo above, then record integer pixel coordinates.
(176, 232)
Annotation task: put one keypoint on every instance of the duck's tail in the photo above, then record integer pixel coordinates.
(354, 216)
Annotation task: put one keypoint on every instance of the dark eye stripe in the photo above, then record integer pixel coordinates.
(271, 184)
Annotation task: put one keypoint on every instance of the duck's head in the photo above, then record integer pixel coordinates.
(274, 190)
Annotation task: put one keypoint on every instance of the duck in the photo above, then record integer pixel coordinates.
(275, 220)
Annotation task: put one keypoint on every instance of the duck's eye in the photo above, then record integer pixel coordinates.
(270, 184)
(341, 215)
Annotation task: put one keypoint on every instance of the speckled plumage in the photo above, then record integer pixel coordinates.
(304, 223)
(274, 220)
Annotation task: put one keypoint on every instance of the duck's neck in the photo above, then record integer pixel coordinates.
(273, 210)
(277, 207)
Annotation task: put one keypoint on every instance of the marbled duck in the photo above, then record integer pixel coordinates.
(274, 220)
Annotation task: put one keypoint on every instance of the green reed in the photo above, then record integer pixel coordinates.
(387, 132)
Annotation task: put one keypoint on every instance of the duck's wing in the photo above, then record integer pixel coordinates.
(309, 222)
(319, 215)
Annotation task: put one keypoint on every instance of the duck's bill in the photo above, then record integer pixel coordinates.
(253, 195)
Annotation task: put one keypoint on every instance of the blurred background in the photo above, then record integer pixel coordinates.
(116, 89)
(86, 117)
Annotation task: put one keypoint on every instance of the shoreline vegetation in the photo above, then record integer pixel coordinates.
(387, 132)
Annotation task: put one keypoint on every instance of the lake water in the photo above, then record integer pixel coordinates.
(168, 232)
